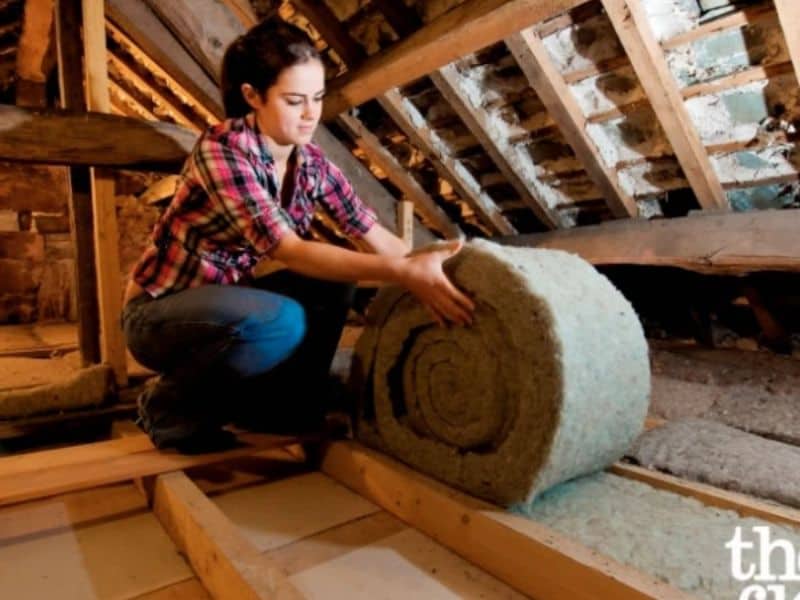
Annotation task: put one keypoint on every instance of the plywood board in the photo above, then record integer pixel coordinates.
(282, 512)
(111, 560)
(405, 565)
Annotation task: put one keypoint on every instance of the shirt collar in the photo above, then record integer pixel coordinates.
(304, 158)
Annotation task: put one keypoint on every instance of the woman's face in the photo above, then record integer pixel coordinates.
(291, 108)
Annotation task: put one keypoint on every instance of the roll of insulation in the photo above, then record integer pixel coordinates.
(551, 381)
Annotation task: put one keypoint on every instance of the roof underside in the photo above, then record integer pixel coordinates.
(564, 124)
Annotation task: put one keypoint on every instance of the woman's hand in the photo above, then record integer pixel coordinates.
(423, 276)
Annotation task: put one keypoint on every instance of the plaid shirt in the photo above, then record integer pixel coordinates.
(226, 214)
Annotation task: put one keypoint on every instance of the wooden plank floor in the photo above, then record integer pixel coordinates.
(104, 543)
(332, 543)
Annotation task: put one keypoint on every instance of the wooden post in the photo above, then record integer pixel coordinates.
(35, 53)
(106, 234)
(70, 71)
(405, 222)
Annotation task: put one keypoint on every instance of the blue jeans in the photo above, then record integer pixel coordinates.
(227, 352)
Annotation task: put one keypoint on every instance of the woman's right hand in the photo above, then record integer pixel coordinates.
(423, 276)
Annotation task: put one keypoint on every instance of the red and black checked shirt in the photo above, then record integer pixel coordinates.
(226, 214)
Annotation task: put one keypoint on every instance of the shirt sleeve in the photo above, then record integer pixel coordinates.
(227, 175)
(337, 195)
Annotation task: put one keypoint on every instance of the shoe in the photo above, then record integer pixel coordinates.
(187, 435)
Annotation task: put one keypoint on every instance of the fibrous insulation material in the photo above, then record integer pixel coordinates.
(676, 539)
(726, 457)
(550, 382)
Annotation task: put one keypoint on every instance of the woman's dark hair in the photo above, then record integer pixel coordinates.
(258, 57)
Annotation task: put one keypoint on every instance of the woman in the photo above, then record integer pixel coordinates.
(194, 313)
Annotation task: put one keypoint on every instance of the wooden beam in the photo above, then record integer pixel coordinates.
(413, 124)
(149, 34)
(511, 160)
(740, 18)
(106, 230)
(503, 544)
(169, 107)
(70, 72)
(789, 17)
(403, 20)
(70, 138)
(141, 57)
(734, 243)
(228, 564)
(734, 80)
(325, 22)
(405, 222)
(551, 88)
(411, 189)
(243, 10)
(188, 22)
(101, 463)
(126, 104)
(598, 68)
(470, 26)
(633, 28)
(35, 52)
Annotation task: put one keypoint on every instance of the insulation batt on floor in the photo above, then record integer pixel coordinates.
(550, 382)
(714, 453)
(675, 538)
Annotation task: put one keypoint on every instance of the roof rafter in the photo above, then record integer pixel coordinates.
(789, 17)
(412, 190)
(157, 97)
(633, 29)
(325, 22)
(143, 27)
(132, 48)
(554, 92)
(470, 26)
(412, 123)
(455, 174)
(512, 162)
(125, 104)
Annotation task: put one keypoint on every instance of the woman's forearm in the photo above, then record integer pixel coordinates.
(325, 261)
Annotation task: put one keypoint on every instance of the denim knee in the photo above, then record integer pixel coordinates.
(292, 321)
(264, 340)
